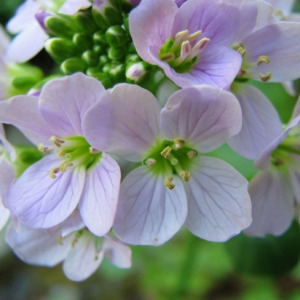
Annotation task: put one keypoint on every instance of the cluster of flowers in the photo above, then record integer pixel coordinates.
(114, 163)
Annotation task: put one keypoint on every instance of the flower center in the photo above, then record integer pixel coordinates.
(74, 151)
(182, 52)
(171, 158)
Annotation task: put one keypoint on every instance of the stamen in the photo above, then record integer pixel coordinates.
(167, 57)
(241, 50)
(59, 240)
(57, 142)
(185, 175)
(43, 149)
(191, 154)
(64, 165)
(263, 59)
(179, 143)
(168, 183)
(53, 171)
(192, 37)
(265, 77)
(150, 162)
(166, 152)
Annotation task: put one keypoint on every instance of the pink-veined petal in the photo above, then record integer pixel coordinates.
(36, 246)
(219, 205)
(100, 196)
(124, 123)
(260, 122)
(148, 212)
(272, 203)
(65, 101)
(203, 115)
(84, 258)
(42, 202)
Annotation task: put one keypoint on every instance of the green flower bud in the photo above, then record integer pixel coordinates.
(116, 53)
(82, 41)
(90, 57)
(72, 65)
(59, 27)
(99, 38)
(116, 36)
(85, 22)
(61, 49)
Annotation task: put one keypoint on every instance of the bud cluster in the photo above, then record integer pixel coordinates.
(96, 41)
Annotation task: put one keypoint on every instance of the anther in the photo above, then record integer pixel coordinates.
(168, 183)
(185, 175)
(178, 143)
(43, 149)
(241, 50)
(150, 162)
(191, 154)
(263, 59)
(265, 77)
(64, 165)
(93, 150)
(57, 142)
(53, 171)
(166, 152)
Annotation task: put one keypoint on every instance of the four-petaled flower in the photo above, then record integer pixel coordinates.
(175, 183)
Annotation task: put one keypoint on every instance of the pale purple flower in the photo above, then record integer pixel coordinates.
(79, 250)
(176, 183)
(275, 189)
(74, 173)
(7, 174)
(31, 36)
(191, 43)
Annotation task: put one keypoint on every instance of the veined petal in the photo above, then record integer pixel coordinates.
(150, 25)
(70, 7)
(260, 123)
(65, 101)
(84, 258)
(7, 176)
(42, 202)
(272, 203)
(281, 43)
(124, 123)
(22, 112)
(4, 216)
(219, 205)
(100, 196)
(26, 44)
(202, 115)
(117, 253)
(36, 246)
(148, 212)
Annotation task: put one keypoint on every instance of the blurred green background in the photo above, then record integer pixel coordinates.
(185, 267)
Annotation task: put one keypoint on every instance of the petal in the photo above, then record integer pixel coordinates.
(202, 115)
(38, 247)
(117, 253)
(281, 43)
(272, 203)
(83, 259)
(100, 196)
(125, 123)
(148, 212)
(260, 123)
(42, 202)
(7, 176)
(70, 7)
(4, 216)
(26, 44)
(219, 205)
(150, 26)
(22, 112)
(65, 101)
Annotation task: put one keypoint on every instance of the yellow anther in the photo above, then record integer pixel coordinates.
(168, 183)
(185, 175)
(93, 150)
(57, 142)
(263, 59)
(182, 35)
(64, 165)
(74, 241)
(265, 77)
(43, 149)
(179, 143)
(150, 162)
(241, 50)
(192, 37)
(53, 171)
(59, 240)
(166, 152)
(61, 152)
(191, 154)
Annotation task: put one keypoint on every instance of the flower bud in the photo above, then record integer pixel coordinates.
(73, 65)
(116, 36)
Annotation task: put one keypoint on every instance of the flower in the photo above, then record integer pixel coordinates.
(175, 183)
(74, 173)
(191, 43)
(275, 190)
(71, 243)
